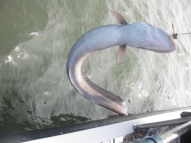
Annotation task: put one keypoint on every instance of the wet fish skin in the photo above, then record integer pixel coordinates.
(139, 34)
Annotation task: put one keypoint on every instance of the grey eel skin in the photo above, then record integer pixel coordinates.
(139, 34)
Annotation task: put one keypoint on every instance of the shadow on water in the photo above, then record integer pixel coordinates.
(17, 117)
(9, 125)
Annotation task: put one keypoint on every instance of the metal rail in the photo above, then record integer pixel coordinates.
(163, 123)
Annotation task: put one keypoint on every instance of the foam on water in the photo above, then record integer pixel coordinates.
(34, 71)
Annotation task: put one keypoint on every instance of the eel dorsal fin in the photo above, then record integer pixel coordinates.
(117, 17)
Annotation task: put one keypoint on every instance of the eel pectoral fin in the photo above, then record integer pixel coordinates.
(117, 17)
(120, 52)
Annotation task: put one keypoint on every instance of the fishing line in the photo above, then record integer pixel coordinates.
(175, 35)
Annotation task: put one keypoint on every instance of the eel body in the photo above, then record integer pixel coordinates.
(139, 34)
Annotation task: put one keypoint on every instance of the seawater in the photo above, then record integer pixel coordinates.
(36, 37)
